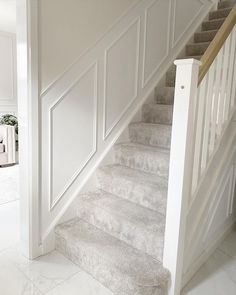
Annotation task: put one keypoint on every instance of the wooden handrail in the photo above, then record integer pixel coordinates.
(216, 44)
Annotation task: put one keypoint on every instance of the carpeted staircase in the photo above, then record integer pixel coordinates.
(118, 236)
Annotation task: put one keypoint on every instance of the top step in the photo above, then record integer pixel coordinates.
(226, 4)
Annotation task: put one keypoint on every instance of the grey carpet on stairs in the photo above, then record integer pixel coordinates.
(118, 236)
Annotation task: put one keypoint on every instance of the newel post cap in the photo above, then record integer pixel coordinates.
(187, 61)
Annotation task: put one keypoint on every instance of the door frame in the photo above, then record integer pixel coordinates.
(28, 114)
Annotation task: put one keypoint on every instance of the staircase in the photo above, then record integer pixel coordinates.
(118, 236)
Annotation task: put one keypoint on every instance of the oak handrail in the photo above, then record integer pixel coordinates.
(216, 44)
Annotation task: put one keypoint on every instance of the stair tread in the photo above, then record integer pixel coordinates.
(212, 24)
(215, 20)
(207, 43)
(197, 48)
(152, 125)
(139, 227)
(116, 170)
(206, 32)
(150, 134)
(198, 57)
(143, 148)
(146, 158)
(115, 264)
(146, 189)
(161, 105)
(205, 36)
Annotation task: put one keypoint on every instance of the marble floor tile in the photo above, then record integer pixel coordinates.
(80, 284)
(14, 282)
(217, 276)
(9, 225)
(46, 272)
(9, 184)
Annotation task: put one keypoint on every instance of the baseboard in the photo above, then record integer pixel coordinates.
(206, 254)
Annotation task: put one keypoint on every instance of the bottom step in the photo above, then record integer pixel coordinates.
(119, 267)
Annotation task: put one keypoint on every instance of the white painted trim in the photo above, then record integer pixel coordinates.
(175, 42)
(53, 202)
(145, 81)
(28, 112)
(106, 133)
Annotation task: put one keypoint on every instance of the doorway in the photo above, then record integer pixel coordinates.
(9, 165)
(18, 104)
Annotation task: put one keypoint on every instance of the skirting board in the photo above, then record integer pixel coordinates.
(206, 254)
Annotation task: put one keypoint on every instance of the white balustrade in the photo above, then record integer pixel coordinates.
(201, 115)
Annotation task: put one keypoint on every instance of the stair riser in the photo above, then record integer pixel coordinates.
(150, 136)
(157, 115)
(226, 4)
(196, 49)
(213, 25)
(170, 78)
(123, 230)
(166, 96)
(150, 196)
(143, 161)
(204, 36)
(219, 14)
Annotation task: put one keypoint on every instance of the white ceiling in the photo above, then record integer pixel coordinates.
(8, 15)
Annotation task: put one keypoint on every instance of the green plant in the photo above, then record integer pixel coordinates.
(9, 119)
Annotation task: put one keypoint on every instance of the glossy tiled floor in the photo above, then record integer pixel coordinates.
(53, 274)
(218, 275)
(9, 184)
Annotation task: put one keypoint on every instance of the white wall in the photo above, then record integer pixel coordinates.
(8, 16)
(69, 27)
(8, 93)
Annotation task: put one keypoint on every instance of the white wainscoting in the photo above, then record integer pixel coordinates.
(121, 77)
(8, 93)
(194, 8)
(84, 112)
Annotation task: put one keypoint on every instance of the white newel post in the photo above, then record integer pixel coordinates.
(180, 170)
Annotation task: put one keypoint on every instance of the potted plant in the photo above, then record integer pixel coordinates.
(11, 120)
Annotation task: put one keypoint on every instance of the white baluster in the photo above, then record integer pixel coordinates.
(206, 132)
(223, 88)
(215, 110)
(229, 78)
(202, 89)
(233, 88)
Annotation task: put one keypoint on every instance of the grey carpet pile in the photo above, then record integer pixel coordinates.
(118, 235)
